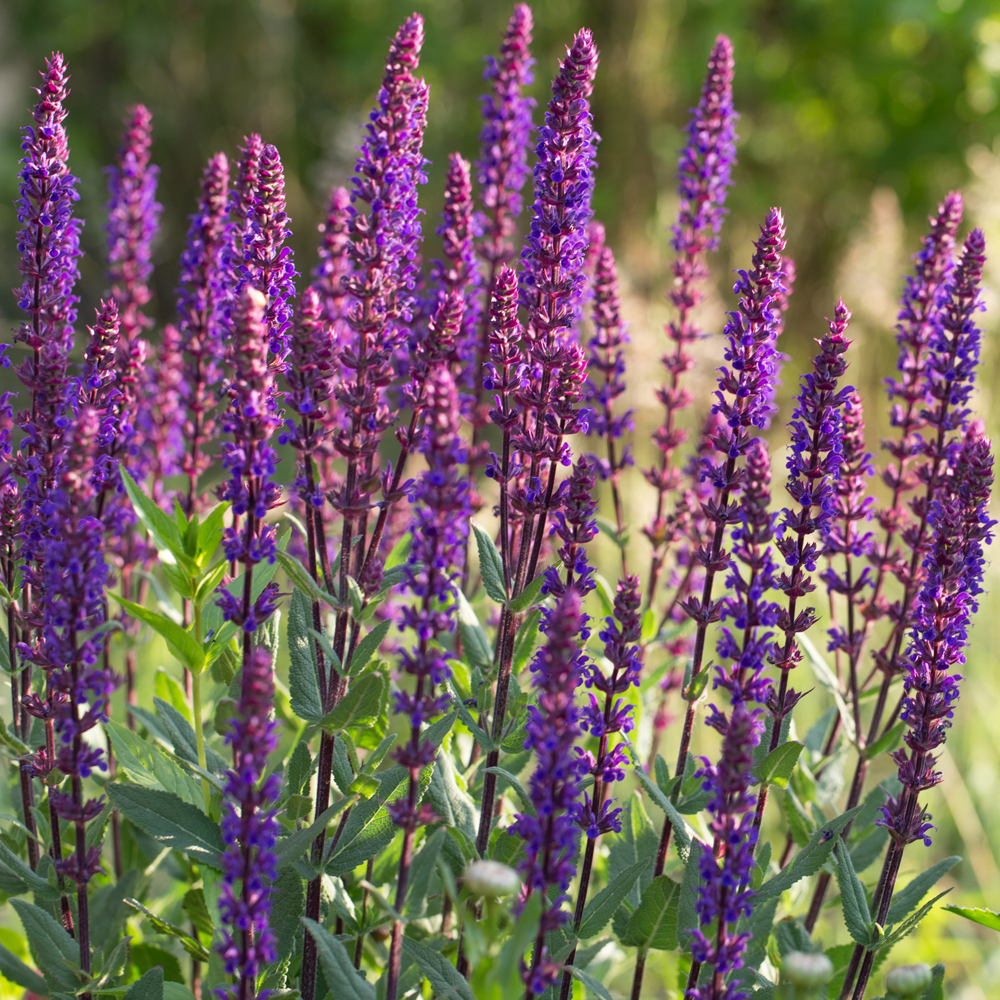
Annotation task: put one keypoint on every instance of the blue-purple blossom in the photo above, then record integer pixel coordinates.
(249, 458)
(133, 221)
(552, 279)
(72, 577)
(574, 523)
(960, 529)
(551, 835)
(704, 176)
(249, 831)
(502, 167)
(334, 261)
(267, 262)
(608, 359)
(725, 894)
(439, 501)
(814, 461)
(202, 328)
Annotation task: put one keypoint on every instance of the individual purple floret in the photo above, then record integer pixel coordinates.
(552, 279)
(202, 330)
(725, 894)
(502, 167)
(249, 831)
(133, 221)
(459, 271)
(551, 835)
(704, 176)
(440, 526)
(249, 458)
(268, 264)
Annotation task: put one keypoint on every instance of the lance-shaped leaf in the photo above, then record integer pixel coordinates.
(475, 645)
(301, 578)
(12, 968)
(907, 900)
(360, 706)
(445, 979)
(985, 918)
(605, 904)
(654, 923)
(191, 945)
(54, 951)
(776, 768)
(148, 987)
(182, 644)
(368, 647)
(338, 969)
(490, 564)
(853, 901)
(303, 681)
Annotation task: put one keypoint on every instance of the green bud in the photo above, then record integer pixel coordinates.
(490, 878)
(909, 980)
(807, 969)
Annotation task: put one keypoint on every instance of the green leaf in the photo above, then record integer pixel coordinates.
(637, 841)
(907, 926)
(606, 593)
(184, 740)
(52, 948)
(595, 986)
(170, 820)
(451, 803)
(32, 880)
(338, 969)
(196, 908)
(852, 897)
(12, 968)
(514, 783)
(654, 923)
(182, 644)
(475, 645)
(490, 564)
(210, 533)
(887, 742)
(524, 641)
(176, 991)
(368, 647)
(799, 822)
(776, 768)
(810, 858)
(400, 552)
(445, 979)
(828, 680)
(681, 835)
(603, 906)
(985, 918)
(479, 734)
(302, 580)
(359, 706)
(191, 945)
(648, 626)
(292, 847)
(421, 870)
(148, 987)
(303, 680)
(528, 596)
(149, 766)
(163, 528)
(288, 903)
(12, 742)
(907, 900)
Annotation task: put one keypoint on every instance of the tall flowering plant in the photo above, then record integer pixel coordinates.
(439, 761)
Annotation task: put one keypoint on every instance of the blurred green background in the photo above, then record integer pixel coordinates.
(857, 116)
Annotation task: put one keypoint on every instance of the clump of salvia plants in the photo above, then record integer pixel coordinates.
(390, 475)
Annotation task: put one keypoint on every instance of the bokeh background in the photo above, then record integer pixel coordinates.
(857, 116)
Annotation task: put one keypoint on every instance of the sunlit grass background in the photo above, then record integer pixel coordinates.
(856, 118)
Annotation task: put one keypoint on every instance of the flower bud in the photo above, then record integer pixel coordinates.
(908, 980)
(807, 969)
(490, 878)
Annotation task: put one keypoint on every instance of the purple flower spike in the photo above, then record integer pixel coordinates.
(554, 252)
(551, 837)
(814, 463)
(249, 831)
(49, 237)
(440, 504)
(960, 527)
(459, 271)
(574, 523)
(607, 357)
(704, 176)
(202, 332)
(133, 221)
(334, 260)
(502, 167)
(267, 263)
(725, 895)
(250, 459)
